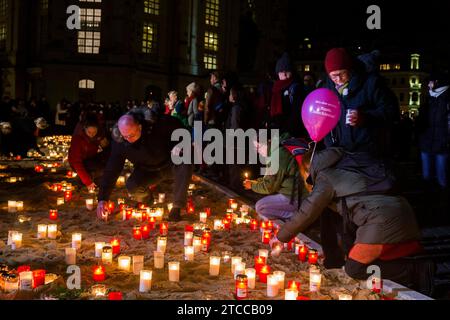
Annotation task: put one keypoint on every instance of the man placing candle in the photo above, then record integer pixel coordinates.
(145, 140)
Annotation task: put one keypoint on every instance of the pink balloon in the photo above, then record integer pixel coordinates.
(320, 113)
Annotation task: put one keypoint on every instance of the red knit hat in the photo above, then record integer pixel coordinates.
(338, 59)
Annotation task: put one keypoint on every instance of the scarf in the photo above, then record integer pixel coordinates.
(276, 106)
(437, 92)
(187, 102)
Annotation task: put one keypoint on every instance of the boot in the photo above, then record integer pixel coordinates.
(175, 215)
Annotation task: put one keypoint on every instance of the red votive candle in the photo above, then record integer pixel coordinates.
(122, 206)
(115, 244)
(69, 174)
(38, 278)
(241, 292)
(253, 224)
(269, 225)
(229, 217)
(302, 253)
(115, 296)
(38, 168)
(145, 231)
(263, 226)
(259, 262)
(190, 208)
(312, 257)
(137, 234)
(99, 274)
(128, 213)
(205, 245)
(226, 224)
(189, 228)
(68, 195)
(164, 228)
(207, 235)
(266, 237)
(151, 223)
(53, 214)
(208, 211)
(294, 285)
(23, 269)
(111, 206)
(141, 206)
(265, 270)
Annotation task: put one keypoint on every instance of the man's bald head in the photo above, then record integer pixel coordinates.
(129, 128)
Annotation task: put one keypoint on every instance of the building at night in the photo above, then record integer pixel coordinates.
(130, 48)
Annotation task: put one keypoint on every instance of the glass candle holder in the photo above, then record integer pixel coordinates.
(99, 249)
(42, 231)
(241, 287)
(174, 271)
(251, 277)
(161, 244)
(158, 259)
(272, 286)
(71, 256)
(290, 294)
(315, 279)
(214, 266)
(189, 253)
(138, 264)
(234, 261)
(52, 231)
(107, 255)
(145, 281)
(76, 240)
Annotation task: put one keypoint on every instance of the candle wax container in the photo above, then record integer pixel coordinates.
(99, 249)
(241, 287)
(71, 256)
(158, 259)
(272, 286)
(99, 274)
(115, 244)
(251, 276)
(76, 240)
(188, 238)
(290, 294)
(38, 278)
(53, 214)
(234, 261)
(52, 231)
(124, 263)
(107, 255)
(161, 244)
(42, 231)
(145, 281)
(263, 273)
(214, 266)
(174, 271)
(189, 253)
(138, 264)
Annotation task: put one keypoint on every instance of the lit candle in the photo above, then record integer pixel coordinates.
(197, 243)
(188, 237)
(265, 270)
(53, 214)
(234, 261)
(344, 296)
(42, 231)
(11, 282)
(71, 256)
(266, 237)
(161, 244)
(26, 280)
(99, 274)
(203, 217)
(158, 259)
(68, 195)
(280, 275)
(315, 279)
(214, 266)
(269, 225)
(145, 282)
(12, 206)
(16, 241)
(151, 223)
(59, 201)
(111, 205)
(226, 256)
(251, 276)
(302, 253)
(272, 286)
(114, 296)
(124, 263)
(218, 224)
(137, 234)
(161, 197)
(90, 204)
(174, 271)
(253, 224)
(38, 278)
(145, 231)
(127, 213)
(260, 261)
(294, 285)
(189, 253)
(52, 231)
(12, 179)
(241, 287)
(99, 249)
(207, 235)
(76, 240)
(115, 244)
(226, 224)
(246, 175)
(239, 268)
(164, 228)
(98, 290)
(205, 244)
(312, 257)
(263, 253)
(169, 206)
(138, 264)
(120, 181)
(290, 294)
(38, 168)
(19, 205)
(377, 285)
(107, 255)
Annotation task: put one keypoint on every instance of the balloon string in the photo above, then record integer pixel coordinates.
(313, 153)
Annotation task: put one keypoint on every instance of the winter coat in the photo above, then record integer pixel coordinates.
(379, 109)
(192, 111)
(434, 125)
(379, 218)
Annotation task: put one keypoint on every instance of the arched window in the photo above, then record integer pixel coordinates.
(86, 84)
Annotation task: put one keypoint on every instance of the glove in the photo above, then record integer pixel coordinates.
(103, 211)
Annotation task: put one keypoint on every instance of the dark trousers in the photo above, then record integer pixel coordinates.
(331, 231)
(140, 180)
(95, 166)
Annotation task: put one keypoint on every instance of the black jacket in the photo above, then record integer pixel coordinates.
(379, 108)
(151, 152)
(433, 124)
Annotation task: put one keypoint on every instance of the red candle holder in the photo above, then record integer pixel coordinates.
(18, 158)
(151, 223)
(263, 226)
(205, 245)
(377, 285)
(290, 245)
(241, 292)
(229, 216)
(115, 296)
(269, 225)
(53, 214)
(263, 273)
(253, 224)
(226, 224)
(208, 211)
(111, 206)
(259, 263)
(189, 228)
(137, 233)
(303, 298)
(67, 195)
(141, 206)
(99, 274)
(122, 206)
(164, 228)
(38, 278)
(302, 252)
(145, 231)
(39, 168)
(190, 209)
(115, 244)
(23, 268)
(294, 285)
(207, 235)
(312, 257)
(128, 213)
(266, 237)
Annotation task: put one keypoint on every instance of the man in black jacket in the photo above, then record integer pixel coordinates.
(148, 146)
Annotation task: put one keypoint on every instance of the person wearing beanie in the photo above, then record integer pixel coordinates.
(287, 99)
(373, 109)
(434, 130)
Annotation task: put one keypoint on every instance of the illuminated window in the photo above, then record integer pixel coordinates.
(89, 38)
(2, 35)
(44, 5)
(3, 7)
(149, 37)
(385, 67)
(212, 13)
(210, 61)
(397, 66)
(307, 67)
(415, 61)
(211, 41)
(86, 84)
(151, 7)
(90, 0)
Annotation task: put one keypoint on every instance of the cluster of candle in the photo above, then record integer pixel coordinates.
(14, 206)
(47, 231)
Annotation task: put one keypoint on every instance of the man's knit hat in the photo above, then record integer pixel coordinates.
(338, 59)
(284, 64)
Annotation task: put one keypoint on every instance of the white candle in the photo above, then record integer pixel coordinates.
(235, 260)
(52, 231)
(263, 253)
(145, 282)
(203, 217)
(214, 266)
(13, 179)
(343, 296)
(158, 259)
(124, 263)
(189, 253)
(10, 237)
(272, 286)
(188, 237)
(174, 271)
(120, 181)
(90, 204)
(280, 275)
(12, 206)
(297, 248)
(290, 294)
(107, 255)
(42, 231)
(239, 268)
(71, 256)
(315, 279)
(16, 241)
(138, 264)
(218, 225)
(234, 205)
(251, 277)
(59, 201)
(19, 205)
(226, 256)
(99, 249)
(197, 243)
(161, 197)
(161, 244)
(98, 290)
(26, 280)
(76, 240)
(170, 206)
